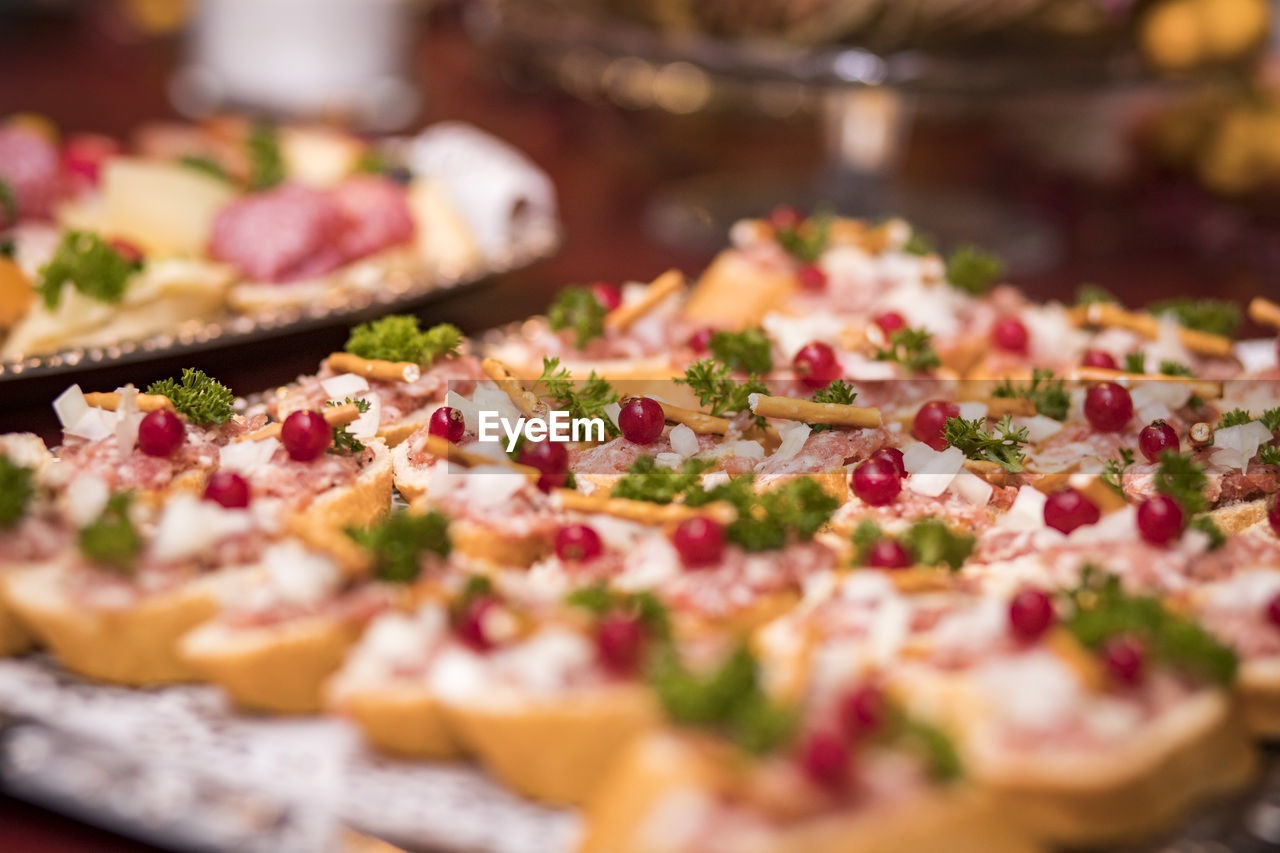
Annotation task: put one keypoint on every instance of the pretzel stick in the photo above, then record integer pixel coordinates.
(333, 416)
(1206, 388)
(439, 446)
(1264, 312)
(621, 318)
(110, 400)
(525, 400)
(998, 407)
(373, 368)
(793, 409)
(644, 512)
(1109, 314)
(920, 579)
(699, 422)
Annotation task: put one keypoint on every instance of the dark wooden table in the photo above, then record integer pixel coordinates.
(88, 73)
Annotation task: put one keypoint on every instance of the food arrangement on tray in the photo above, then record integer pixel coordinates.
(233, 224)
(866, 551)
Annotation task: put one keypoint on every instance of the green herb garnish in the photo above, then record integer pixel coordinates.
(1089, 294)
(111, 540)
(1046, 393)
(205, 166)
(1207, 315)
(90, 265)
(973, 270)
(1179, 477)
(16, 489)
(600, 600)
(586, 399)
(1205, 524)
(933, 744)
(577, 308)
(203, 399)
(1169, 367)
(1235, 417)
(398, 337)
(1113, 470)
(748, 350)
(266, 161)
(715, 388)
(838, 392)
(1135, 362)
(645, 481)
(806, 241)
(1269, 455)
(344, 443)
(1102, 610)
(399, 540)
(1003, 446)
(919, 244)
(929, 542)
(911, 348)
(792, 512)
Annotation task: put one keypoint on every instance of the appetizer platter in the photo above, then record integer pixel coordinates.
(233, 231)
(844, 545)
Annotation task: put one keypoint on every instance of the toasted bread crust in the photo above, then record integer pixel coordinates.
(402, 719)
(360, 503)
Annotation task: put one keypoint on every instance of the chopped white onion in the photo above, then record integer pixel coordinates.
(128, 417)
(344, 385)
(1236, 445)
(931, 471)
(748, 449)
(70, 406)
(668, 460)
(1027, 511)
(85, 498)
(246, 457)
(613, 410)
(1039, 427)
(972, 488)
(190, 525)
(299, 576)
(972, 411)
(1258, 354)
(684, 441)
(794, 436)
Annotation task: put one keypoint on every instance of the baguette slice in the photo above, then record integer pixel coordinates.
(1259, 689)
(556, 750)
(360, 503)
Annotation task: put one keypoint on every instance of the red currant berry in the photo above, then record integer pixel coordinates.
(83, 156)
(700, 341)
(862, 711)
(1099, 358)
(816, 365)
(1155, 438)
(812, 278)
(160, 433)
(1010, 335)
(549, 457)
(578, 543)
(876, 482)
(447, 423)
(1068, 509)
(785, 217)
(608, 295)
(699, 542)
(641, 420)
(1108, 407)
(893, 456)
(619, 641)
(305, 435)
(471, 623)
(1030, 614)
(930, 422)
(1273, 610)
(890, 322)
(1125, 659)
(1159, 519)
(887, 554)
(1273, 516)
(229, 489)
(824, 756)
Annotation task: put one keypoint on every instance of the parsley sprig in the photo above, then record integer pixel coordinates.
(90, 265)
(1179, 477)
(793, 512)
(911, 348)
(929, 541)
(839, 392)
(1003, 446)
(1045, 393)
(344, 443)
(645, 481)
(749, 350)
(1113, 470)
(203, 399)
(577, 309)
(205, 166)
(266, 161)
(973, 270)
(1100, 610)
(719, 391)
(111, 540)
(1269, 455)
(397, 542)
(806, 240)
(585, 399)
(1135, 362)
(16, 489)
(1237, 417)
(599, 600)
(399, 337)
(1214, 316)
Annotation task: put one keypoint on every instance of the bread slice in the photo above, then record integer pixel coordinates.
(402, 718)
(360, 503)
(556, 750)
(279, 668)
(736, 293)
(1259, 689)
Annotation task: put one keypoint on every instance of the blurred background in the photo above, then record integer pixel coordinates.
(1133, 144)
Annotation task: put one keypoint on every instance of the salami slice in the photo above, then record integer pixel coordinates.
(377, 216)
(29, 165)
(286, 234)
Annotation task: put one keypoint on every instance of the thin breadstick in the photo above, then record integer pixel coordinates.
(794, 409)
(1207, 388)
(993, 473)
(918, 579)
(441, 447)
(372, 368)
(1200, 435)
(621, 318)
(333, 416)
(644, 512)
(998, 407)
(523, 399)
(1264, 312)
(1112, 315)
(110, 400)
(699, 422)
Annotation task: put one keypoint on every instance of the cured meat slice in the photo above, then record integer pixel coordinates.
(29, 165)
(286, 234)
(377, 215)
